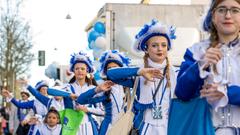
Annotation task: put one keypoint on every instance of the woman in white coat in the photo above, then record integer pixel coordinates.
(211, 67)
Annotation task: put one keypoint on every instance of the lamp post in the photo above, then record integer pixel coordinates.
(68, 16)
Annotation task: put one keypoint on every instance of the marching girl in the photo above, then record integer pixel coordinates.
(50, 126)
(157, 81)
(211, 67)
(82, 81)
(111, 95)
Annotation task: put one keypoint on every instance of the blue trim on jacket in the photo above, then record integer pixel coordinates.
(122, 75)
(20, 114)
(55, 92)
(189, 82)
(94, 124)
(43, 99)
(30, 132)
(24, 105)
(233, 93)
(88, 98)
(66, 96)
(107, 118)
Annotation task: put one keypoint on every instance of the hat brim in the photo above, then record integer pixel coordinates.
(41, 87)
(143, 42)
(90, 69)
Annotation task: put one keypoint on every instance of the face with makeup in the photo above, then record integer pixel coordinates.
(157, 48)
(80, 71)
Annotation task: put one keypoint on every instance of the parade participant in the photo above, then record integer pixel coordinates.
(82, 81)
(56, 101)
(111, 95)
(211, 67)
(23, 126)
(157, 81)
(35, 105)
(51, 124)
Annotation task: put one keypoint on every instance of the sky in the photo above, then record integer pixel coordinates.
(60, 37)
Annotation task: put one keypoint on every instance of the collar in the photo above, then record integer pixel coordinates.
(80, 85)
(51, 128)
(157, 65)
(234, 42)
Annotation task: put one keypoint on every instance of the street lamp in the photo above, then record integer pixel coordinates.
(68, 16)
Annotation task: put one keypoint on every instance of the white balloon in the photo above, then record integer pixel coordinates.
(100, 42)
(97, 52)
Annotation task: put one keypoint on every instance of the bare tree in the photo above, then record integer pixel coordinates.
(15, 43)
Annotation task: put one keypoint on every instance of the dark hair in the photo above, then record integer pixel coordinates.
(90, 81)
(25, 93)
(108, 93)
(111, 61)
(54, 111)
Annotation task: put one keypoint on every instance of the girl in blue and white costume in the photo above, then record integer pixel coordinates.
(50, 125)
(155, 39)
(55, 102)
(38, 108)
(211, 67)
(82, 67)
(113, 100)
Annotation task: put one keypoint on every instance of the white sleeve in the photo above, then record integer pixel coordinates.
(203, 73)
(98, 110)
(37, 127)
(223, 101)
(8, 99)
(199, 51)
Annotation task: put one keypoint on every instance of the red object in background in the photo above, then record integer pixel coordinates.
(68, 73)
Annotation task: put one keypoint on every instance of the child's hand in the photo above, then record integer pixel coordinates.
(73, 96)
(24, 122)
(33, 120)
(151, 73)
(82, 108)
(6, 93)
(106, 86)
(11, 131)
